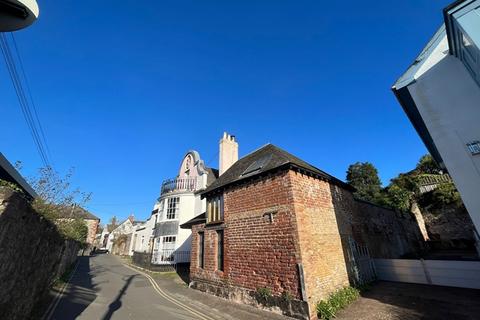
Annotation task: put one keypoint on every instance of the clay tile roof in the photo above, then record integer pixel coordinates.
(265, 159)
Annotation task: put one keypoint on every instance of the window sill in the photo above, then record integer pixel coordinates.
(214, 223)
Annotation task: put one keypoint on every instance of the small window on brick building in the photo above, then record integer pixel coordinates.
(215, 209)
(201, 248)
(220, 250)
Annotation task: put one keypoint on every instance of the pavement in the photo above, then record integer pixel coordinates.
(103, 287)
(406, 301)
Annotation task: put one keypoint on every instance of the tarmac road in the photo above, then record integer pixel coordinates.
(103, 288)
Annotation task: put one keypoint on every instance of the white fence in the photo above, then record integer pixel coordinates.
(464, 274)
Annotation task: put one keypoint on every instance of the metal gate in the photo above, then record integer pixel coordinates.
(361, 268)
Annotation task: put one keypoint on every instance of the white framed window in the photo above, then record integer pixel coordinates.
(156, 244)
(172, 208)
(215, 209)
(162, 207)
(168, 248)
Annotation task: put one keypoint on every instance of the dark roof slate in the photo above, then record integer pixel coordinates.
(212, 175)
(78, 212)
(276, 158)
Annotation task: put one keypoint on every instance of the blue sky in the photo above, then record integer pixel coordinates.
(125, 88)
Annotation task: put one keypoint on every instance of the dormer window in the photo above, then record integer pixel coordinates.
(215, 209)
(257, 165)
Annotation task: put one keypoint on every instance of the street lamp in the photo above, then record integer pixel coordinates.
(17, 14)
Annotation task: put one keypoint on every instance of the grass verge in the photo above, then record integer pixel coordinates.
(65, 276)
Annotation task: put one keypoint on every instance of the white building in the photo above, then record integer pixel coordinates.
(179, 202)
(119, 239)
(440, 94)
(142, 238)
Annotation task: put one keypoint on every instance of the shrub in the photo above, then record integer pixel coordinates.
(75, 229)
(264, 293)
(10, 185)
(287, 296)
(326, 309)
(446, 194)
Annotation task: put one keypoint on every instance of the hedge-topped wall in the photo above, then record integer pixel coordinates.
(32, 255)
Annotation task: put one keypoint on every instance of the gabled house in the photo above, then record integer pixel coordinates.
(179, 202)
(90, 220)
(276, 223)
(440, 93)
(119, 238)
(103, 239)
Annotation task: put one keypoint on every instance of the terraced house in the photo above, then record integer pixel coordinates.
(277, 224)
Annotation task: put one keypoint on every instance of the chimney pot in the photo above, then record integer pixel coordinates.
(228, 152)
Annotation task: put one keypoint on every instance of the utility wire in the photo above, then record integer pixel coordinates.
(212, 158)
(27, 84)
(22, 98)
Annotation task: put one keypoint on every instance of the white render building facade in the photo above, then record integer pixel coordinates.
(440, 93)
(179, 202)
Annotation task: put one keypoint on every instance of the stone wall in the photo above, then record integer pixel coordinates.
(388, 234)
(32, 255)
(449, 227)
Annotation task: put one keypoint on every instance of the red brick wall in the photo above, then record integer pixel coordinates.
(311, 223)
(92, 230)
(258, 253)
(323, 214)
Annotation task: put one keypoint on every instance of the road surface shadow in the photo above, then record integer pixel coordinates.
(80, 293)
(77, 297)
(117, 303)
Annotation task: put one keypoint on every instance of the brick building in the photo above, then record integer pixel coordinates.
(90, 220)
(274, 221)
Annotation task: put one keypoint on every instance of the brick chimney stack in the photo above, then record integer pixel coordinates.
(228, 152)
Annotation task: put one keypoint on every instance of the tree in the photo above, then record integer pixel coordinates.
(398, 197)
(427, 165)
(55, 197)
(364, 177)
(401, 192)
(52, 188)
(113, 224)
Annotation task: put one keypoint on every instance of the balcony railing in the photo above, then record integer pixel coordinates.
(179, 184)
(169, 256)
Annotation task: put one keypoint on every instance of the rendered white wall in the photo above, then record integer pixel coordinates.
(448, 100)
